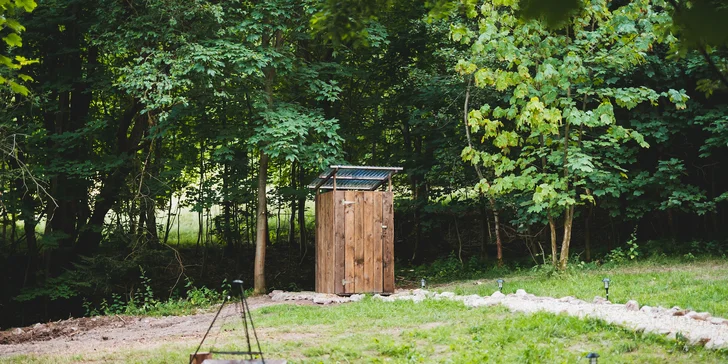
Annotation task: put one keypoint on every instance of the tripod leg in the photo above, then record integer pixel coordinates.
(247, 308)
(209, 328)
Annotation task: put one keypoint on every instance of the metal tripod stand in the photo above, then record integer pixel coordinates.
(247, 319)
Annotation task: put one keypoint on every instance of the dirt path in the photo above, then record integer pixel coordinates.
(111, 333)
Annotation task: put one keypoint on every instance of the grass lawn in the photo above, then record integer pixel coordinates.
(449, 332)
(432, 331)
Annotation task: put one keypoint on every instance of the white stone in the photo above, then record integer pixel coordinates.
(356, 297)
(632, 305)
(521, 293)
(497, 295)
(18, 331)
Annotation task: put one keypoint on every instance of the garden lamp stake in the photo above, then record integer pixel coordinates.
(606, 286)
(500, 285)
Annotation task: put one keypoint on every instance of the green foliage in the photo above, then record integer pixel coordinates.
(10, 30)
(144, 302)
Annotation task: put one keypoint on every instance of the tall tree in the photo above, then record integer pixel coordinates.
(557, 115)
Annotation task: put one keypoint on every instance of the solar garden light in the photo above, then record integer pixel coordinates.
(606, 287)
(422, 283)
(500, 285)
(593, 357)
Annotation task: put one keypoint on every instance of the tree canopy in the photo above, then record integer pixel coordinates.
(174, 140)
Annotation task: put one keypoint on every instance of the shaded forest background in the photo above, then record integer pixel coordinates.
(163, 139)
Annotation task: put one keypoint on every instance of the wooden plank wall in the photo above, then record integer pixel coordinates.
(339, 247)
(354, 242)
(388, 242)
(324, 243)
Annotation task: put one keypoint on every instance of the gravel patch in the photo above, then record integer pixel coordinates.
(699, 328)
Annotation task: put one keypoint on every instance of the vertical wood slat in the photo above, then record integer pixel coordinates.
(339, 241)
(352, 244)
(377, 243)
(317, 268)
(350, 241)
(388, 243)
(330, 245)
(368, 218)
(359, 243)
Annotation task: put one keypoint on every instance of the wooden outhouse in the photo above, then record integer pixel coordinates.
(354, 230)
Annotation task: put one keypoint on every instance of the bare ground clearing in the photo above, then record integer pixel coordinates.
(111, 333)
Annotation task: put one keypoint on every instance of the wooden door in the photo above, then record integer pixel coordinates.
(367, 242)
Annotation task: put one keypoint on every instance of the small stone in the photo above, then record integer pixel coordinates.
(475, 302)
(18, 331)
(477, 283)
(447, 294)
(521, 293)
(567, 299)
(679, 312)
(646, 309)
(715, 343)
(497, 295)
(702, 316)
(356, 297)
(632, 305)
(104, 338)
(37, 326)
(717, 320)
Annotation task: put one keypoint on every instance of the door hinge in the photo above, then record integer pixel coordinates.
(344, 282)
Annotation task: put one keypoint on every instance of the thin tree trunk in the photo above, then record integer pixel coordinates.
(566, 241)
(262, 227)
(292, 220)
(552, 228)
(200, 213)
(460, 241)
(303, 247)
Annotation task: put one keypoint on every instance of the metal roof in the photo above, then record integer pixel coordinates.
(353, 177)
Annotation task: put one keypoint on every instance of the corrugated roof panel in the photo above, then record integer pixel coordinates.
(353, 177)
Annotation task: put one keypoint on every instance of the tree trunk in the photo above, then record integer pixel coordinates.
(261, 227)
(292, 220)
(302, 215)
(552, 228)
(90, 238)
(498, 241)
(568, 223)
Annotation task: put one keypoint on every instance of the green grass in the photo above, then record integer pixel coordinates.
(432, 331)
(445, 331)
(700, 285)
